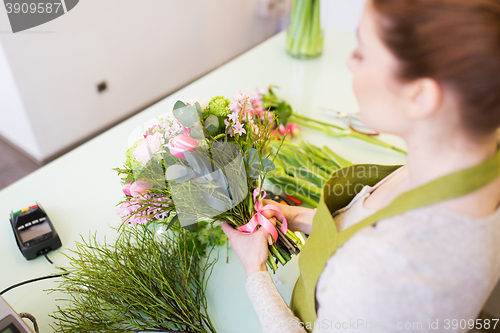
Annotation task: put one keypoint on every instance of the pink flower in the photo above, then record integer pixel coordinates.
(248, 115)
(234, 117)
(139, 188)
(235, 106)
(293, 128)
(148, 147)
(238, 129)
(240, 97)
(181, 143)
(186, 131)
(126, 188)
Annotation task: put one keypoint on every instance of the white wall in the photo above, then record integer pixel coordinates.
(144, 50)
(341, 14)
(15, 125)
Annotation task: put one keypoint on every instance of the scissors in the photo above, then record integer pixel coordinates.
(351, 120)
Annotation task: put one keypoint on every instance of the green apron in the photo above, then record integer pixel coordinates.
(324, 239)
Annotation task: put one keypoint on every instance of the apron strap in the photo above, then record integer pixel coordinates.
(448, 187)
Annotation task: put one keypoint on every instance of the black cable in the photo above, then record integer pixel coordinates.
(32, 280)
(48, 259)
(36, 279)
(52, 263)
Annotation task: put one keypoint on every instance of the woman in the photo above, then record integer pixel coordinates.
(417, 248)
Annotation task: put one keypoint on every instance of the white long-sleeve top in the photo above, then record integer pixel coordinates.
(426, 270)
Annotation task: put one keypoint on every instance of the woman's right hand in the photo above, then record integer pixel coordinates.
(298, 218)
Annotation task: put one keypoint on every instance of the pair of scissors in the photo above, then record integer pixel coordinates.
(353, 121)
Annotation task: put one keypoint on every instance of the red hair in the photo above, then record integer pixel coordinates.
(455, 42)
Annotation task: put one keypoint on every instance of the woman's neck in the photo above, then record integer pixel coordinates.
(428, 160)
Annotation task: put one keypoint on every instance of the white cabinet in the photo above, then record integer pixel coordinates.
(143, 50)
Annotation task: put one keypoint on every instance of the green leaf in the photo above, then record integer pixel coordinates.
(178, 109)
(197, 132)
(178, 113)
(212, 124)
(198, 107)
(174, 219)
(190, 117)
(267, 165)
(179, 105)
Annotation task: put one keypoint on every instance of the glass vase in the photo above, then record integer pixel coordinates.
(304, 39)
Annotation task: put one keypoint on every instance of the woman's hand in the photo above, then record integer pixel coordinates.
(298, 218)
(252, 249)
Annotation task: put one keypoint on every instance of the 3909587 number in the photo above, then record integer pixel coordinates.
(33, 8)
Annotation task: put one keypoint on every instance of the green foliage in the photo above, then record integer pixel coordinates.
(279, 106)
(145, 281)
(208, 235)
(131, 162)
(218, 106)
(302, 170)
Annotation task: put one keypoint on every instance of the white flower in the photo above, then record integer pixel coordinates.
(203, 102)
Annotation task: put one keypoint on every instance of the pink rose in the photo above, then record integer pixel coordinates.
(126, 188)
(293, 128)
(281, 130)
(180, 144)
(139, 187)
(148, 147)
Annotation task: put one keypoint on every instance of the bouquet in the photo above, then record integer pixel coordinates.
(206, 162)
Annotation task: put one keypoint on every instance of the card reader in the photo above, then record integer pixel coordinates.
(34, 232)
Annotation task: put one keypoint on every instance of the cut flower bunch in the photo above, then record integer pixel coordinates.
(206, 162)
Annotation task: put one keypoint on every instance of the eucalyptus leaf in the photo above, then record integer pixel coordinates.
(192, 161)
(267, 165)
(197, 106)
(254, 171)
(179, 109)
(211, 129)
(179, 105)
(212, 124)
(200, 164)
(251, 156)
(178, 113)
(179, 173)
(190, 117)
(197, 132)
(217, 200)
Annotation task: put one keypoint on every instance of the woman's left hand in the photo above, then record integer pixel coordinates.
(252, 249)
